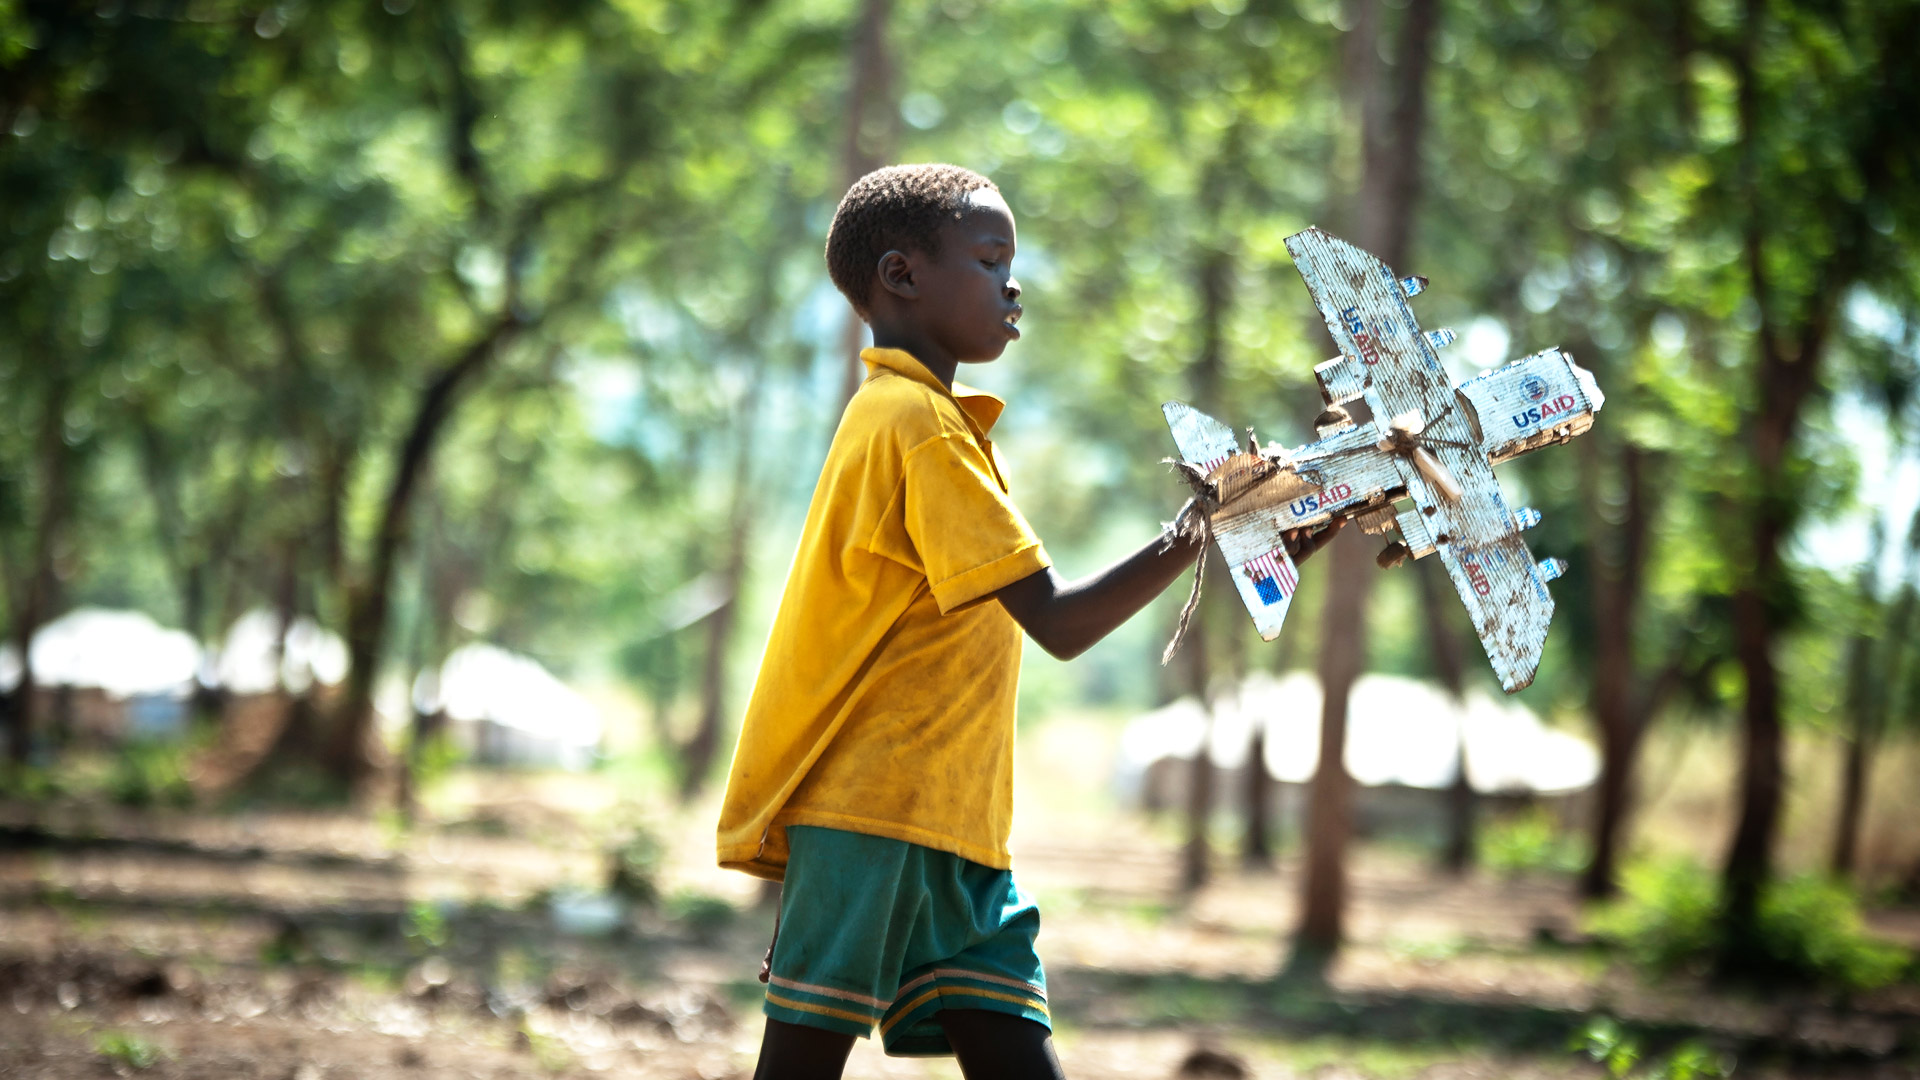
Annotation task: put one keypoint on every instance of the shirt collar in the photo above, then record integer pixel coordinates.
(982, 407)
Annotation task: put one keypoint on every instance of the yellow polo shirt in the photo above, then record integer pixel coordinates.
(885, 698)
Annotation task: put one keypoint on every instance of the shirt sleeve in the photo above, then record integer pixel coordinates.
(972, 541)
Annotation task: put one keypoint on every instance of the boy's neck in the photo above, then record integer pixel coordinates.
(917, 345)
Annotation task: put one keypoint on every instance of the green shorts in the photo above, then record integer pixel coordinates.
(878, 931)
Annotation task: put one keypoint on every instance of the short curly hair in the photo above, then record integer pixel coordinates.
(899, 207)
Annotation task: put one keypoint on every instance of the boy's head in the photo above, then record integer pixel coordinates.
(933, 244)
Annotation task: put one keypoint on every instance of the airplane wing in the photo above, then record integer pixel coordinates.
(1386, 358)
(1264, 576)
(1505, 592)
(1365, 308)
(1477, 537)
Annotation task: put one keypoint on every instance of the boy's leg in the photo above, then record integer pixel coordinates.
(797, 1052)
(996, 1044)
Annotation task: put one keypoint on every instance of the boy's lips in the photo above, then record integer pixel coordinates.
(1012, 318)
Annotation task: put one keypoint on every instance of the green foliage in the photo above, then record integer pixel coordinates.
(549, 1051)
(1605, 1042)
(1670, 921)
(1531, 841)
(1667, 919)
(1613, 1048)
(706, 917)
(131, 1051)
(435, 760)
(148, 774)
(32, 783)
(286, 949)
(634, 860)
(425, 927)
(1811, 926)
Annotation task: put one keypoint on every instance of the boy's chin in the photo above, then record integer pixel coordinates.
(987, 355)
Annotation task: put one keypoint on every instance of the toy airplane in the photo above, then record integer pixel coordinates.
(1422, 467)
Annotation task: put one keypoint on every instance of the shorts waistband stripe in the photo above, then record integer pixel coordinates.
(827, 991)
(808, 1006)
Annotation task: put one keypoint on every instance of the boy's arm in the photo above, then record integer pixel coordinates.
(1067, 617)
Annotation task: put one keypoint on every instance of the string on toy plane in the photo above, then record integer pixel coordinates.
(1194, 523)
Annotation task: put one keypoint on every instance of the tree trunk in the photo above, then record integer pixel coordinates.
(20, 711)
(1395, 113)
(1861, 716)
(1853, 797)
(1263, 825)
(348, 752)
(1207, 380)
(39, 595)
(425, 650)
(1195, 854)
(1785, 373)
(1256, 851)
(1749, 862)
(1617, 565)
(1444, 646)
(1875, 694)
(873, 127)
(696, 756)
(1329, 798)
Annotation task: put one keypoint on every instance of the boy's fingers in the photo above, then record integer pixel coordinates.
(1302, 543)
(1324, 536)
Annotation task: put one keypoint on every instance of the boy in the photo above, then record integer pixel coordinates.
(873, 775)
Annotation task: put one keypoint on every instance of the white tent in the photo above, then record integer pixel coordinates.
(517, 710)
(124, 653)
(1399, 731)
(312, 654)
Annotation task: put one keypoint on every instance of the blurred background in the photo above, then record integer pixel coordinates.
(411, 407)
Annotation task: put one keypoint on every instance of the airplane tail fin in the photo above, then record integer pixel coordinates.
(1266, 584)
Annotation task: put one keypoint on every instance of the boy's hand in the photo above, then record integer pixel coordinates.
(1302, 543)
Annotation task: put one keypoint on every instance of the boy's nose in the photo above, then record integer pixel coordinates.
(1013, 289)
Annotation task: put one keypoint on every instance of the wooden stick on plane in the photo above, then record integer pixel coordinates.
(1420, 472)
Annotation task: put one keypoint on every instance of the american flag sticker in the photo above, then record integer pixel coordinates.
(1273, 578)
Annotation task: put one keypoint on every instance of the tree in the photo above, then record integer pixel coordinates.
(548, 224)
(1443, 640)
(1878, 661)
(1395, 114)
(1796, 314)
(872, 131)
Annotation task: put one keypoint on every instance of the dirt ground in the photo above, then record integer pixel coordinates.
(333, 946)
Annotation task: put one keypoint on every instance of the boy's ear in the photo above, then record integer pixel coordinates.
(896, 275)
